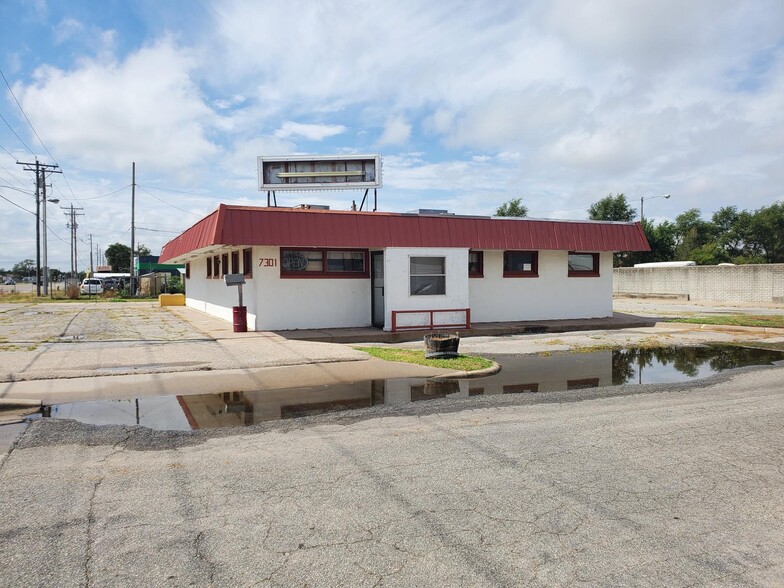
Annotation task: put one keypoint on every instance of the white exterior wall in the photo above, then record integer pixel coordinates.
(396, 286)
(214, 297)
(307, 303)
(552, 295)
(276, 303)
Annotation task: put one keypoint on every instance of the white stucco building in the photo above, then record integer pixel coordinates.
(318, 268)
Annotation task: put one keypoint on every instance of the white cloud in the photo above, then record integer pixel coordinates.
(67, 29)
(396, 131)
(109, 113)
(312, 132)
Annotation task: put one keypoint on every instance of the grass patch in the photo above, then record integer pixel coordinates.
(467, 363)
(736, 320)
(771, 345)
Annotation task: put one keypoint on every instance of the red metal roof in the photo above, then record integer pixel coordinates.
(289, 227)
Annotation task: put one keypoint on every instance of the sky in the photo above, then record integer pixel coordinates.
(470, 104)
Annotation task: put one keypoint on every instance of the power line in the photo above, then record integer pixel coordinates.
(14, 176)
(15, 204)
(157, 230)
(19, 190)
(166, 203)
(109, 194)
(27, 119)
(17, 136)
(179, 191)
(7, 151)
(67, 183)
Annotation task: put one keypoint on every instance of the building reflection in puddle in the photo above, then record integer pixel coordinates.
(529, 374)
(534, 374)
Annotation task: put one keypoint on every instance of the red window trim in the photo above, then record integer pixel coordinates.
(247, 256)
(235, 262)
(224, 264)
(584, 274)
(324, 274)
(479, 273)
(216, 267)
(534, 273)
(209, 268)
(187, 271)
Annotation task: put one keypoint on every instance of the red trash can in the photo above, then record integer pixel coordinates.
(240, 319)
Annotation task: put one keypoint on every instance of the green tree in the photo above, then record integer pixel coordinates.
(514, 207)
(766, 232)
(119, 257)
(660, 237)
(693, 235)
(612, 208)
(24, 268)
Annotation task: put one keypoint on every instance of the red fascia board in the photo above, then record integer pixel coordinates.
(262, 226)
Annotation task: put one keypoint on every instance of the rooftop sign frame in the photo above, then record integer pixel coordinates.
(319, 172)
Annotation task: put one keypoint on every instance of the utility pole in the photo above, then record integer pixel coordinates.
(46, 200)
(40, 181)
(92, 271)
(72, 213)
(133, 219)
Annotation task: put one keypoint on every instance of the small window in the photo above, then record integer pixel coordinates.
(302, 261)
(247, 263)
(583, 264)
(224, 264)
(209, 267)
(235, 262)
(476, 264)
(521, 264)
(428, 276)
(216, 267)
(324, 263)
(345, 261)
(187, 270)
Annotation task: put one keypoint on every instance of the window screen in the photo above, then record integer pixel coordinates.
(428, 276)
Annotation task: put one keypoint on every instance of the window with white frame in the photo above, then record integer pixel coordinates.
(583, 264)
(427, 276)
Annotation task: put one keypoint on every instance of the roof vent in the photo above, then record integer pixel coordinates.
(312, 207)
(433, 211)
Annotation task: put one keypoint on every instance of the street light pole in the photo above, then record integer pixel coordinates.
(46, 250)
(643, 199)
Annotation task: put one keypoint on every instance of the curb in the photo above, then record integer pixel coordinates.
(8, 404)
(493, 369)
(709, 327)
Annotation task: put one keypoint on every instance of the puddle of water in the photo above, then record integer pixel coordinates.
(519, 374)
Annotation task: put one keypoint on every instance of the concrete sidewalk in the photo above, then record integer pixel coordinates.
(86, 351)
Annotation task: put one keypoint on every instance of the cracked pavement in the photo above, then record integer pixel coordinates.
(677, 485)
(81, 339)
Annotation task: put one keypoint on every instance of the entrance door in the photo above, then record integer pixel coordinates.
(377, 288)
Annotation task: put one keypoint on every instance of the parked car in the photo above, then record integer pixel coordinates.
(111, 284)
(9, 282)
(91, 286)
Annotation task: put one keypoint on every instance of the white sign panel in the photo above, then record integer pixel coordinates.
(319, 172)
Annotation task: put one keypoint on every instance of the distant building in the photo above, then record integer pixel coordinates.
(148, 264)
(308, 268)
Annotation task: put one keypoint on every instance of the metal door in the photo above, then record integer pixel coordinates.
(377, 288)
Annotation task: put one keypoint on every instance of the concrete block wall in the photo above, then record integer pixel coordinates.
(739, 283)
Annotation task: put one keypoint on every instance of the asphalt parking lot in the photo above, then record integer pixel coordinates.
(675, 485)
